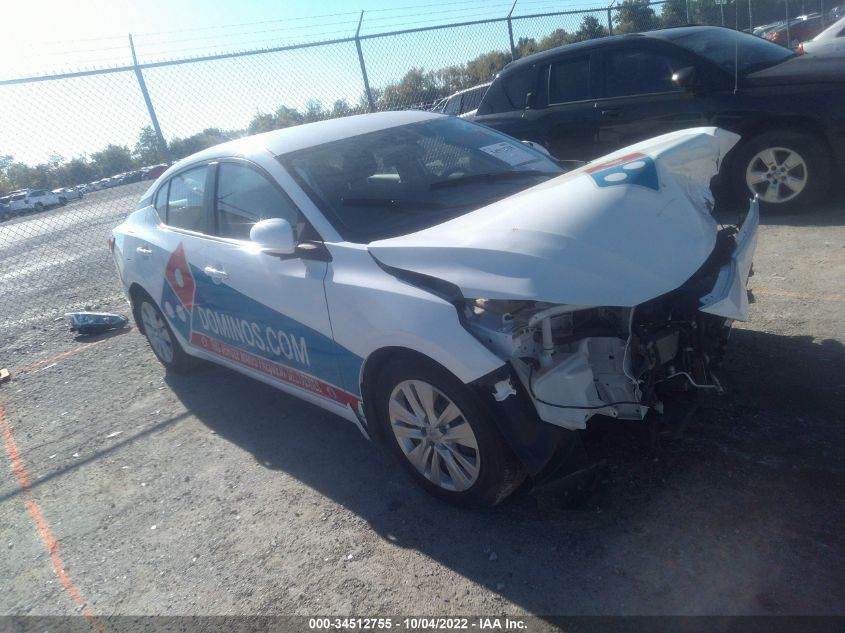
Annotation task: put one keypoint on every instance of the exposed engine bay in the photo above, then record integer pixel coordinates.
(579, 361)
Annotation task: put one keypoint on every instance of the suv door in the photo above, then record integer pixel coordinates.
(638, 98)
(265, 314)
(562, 112)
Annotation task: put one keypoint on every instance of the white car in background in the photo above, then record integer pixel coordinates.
(831, 40)
(444, 287)
(40, 199)
(68, 193)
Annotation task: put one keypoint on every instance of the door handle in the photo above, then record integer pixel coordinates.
(612, 113)
(144, 251)
(216, 274)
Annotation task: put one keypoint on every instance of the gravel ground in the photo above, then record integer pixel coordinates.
(214, 494)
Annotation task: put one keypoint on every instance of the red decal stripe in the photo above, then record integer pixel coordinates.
(613, 163)
(275, 370)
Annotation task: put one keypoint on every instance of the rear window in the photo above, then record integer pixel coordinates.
(518, 85)
(569, 80)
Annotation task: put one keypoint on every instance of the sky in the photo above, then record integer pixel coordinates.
(71, 117)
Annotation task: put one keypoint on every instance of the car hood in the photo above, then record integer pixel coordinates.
(804, 69)
(618, 231)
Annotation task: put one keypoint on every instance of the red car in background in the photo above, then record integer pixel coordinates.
(801, 29)
(154, 172)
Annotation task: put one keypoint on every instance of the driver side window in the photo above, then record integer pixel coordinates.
(244, 197)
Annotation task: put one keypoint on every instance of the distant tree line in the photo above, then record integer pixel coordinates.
(418, 87)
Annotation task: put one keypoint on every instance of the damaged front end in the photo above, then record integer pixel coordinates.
(579, 361)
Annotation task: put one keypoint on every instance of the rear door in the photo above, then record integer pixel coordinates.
(637, 97)
(562, 115)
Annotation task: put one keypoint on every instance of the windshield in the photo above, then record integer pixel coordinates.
(727, 48)
(407, 178)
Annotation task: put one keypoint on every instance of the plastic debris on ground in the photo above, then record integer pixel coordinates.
(95, 322)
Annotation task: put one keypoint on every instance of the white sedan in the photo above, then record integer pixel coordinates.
(447, 289)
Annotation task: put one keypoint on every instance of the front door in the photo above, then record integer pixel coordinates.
(265, 314)
(639, 100)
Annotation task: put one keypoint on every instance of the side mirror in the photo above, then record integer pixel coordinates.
(275, 236)
(686, 78)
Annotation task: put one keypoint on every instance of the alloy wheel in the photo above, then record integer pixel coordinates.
(157, 333)
(434, 435)
(776, 174)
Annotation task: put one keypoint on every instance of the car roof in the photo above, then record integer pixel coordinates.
(661, 34)
(291, 139)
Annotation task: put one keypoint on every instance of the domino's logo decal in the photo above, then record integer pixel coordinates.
(177, 295)
(633, 169)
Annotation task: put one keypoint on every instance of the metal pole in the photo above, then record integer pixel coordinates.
(514, 53)
(688, 20)
(162, 143)
(722, 10)
(369, 94)
(750, 16)
(786, 4)
(609, 19)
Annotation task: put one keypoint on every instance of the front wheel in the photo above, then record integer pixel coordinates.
(442, 436)
(787, 171)
(161, 338)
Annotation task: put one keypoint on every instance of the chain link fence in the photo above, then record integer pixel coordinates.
(108, 127)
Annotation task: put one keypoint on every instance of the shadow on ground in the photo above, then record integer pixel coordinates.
(741, 515)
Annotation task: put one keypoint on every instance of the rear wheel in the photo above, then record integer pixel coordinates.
(160, 337)
(787, 171)
(440, 433)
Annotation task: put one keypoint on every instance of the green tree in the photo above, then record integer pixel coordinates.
(148, 149)
(416, 87)
(674, 13)
(114, 159)
(590, 29)
(635, 15)
(181, 147)
(486, 66)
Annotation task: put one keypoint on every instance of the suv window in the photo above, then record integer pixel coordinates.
(244, 197)
(186, 192)
(472, 99)
(569, 80)
(453, 106)
(639, 72)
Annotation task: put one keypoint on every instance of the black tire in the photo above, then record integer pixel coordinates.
(179, 361)
(499, 472)
(62, 201)
(810, 149)
(38, 206)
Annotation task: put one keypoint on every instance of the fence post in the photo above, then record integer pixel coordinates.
(687, 3)
(370, 102)
(153, 118)
(750, 17)
(786, 5)
(510, 32)
(609, 19)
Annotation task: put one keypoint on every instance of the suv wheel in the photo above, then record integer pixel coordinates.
(442, 437)
(786, 170)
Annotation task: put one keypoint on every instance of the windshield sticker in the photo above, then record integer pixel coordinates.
(509, 153)
(633, 169)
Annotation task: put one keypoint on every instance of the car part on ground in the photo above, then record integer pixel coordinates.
(456, 293)
(87, 323)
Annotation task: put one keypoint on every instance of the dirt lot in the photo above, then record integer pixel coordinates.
(214, 494)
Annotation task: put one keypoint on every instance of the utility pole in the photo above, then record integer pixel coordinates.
(370, 103)
(153, 118)
(514, 53)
